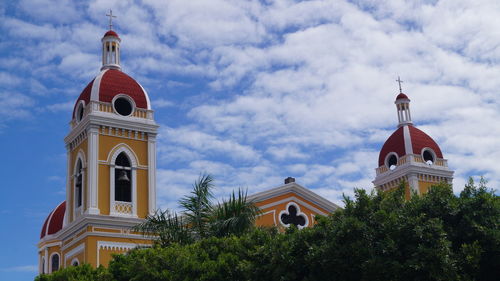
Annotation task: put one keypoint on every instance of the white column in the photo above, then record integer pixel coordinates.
(134, 191)
(92, 171)
(152, 173)
(69, 175)
(46, 263)
(413, 182)
(112, 189)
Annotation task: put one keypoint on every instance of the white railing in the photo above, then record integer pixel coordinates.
(415, 159)
(124, 208)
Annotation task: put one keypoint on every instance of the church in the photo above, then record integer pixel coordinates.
(111, 172)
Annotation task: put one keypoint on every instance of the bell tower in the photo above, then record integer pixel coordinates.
(410, 155)
(111, 169)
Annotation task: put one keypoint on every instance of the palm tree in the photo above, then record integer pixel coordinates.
(200, 217)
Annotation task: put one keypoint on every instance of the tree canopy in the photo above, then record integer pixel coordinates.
(377, 236)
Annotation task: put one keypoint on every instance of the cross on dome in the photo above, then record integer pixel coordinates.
(399, 82)
(110, 15)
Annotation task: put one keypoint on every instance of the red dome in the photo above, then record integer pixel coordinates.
(402, 96)
(111, 82)
(111, 33)
(54, 221)
(410, 142)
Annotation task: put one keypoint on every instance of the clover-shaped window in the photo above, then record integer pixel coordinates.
(293, 215)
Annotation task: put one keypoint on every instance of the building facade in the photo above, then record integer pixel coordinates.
(111, 172)
(111, 175)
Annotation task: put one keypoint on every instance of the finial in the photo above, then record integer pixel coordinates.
(110, 15)
(399, 82)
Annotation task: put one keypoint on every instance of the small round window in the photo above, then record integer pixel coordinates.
(428, 156)
(123, 106)
(391, 161)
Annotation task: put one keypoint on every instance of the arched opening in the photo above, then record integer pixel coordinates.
(75, 262)
(54, 262)
(428, 156)
(123, 179)
(78, 184)
(391, 161)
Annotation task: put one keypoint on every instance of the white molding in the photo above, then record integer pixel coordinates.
(78, 249)
(293, 198)
(386, 160)
(46, 263)
(79, 157)
(75, 114)
(117, 246)
(407, 140)
(68, 186)
(412, 167)
(130, 100)
(113, 154)
(297, 189)
(92, 171)
(148, 102)
(299, 213)
(151, 174)
(431, 151)
(50, 263)
(269, 212)
(94, 93)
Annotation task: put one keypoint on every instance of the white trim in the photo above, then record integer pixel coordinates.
(130, 100)
(79, 157)
(78, 249)
(146, 95)
(293, 198)
(73, 261)
(151, 174)
(46, 263)
(50, 263)
(297, 189)
(117, 246)
(92, 171)
(269, 212)
(299, 213)
(386, 161)
(431, 151)
(76, 114)
(117, 150)
(94, 93)
(407, 139)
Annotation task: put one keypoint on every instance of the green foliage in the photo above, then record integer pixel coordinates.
(378, 236)
(201, 218)
(78, 273)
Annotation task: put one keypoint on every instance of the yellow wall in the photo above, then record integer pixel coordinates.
(107, 143)
(423, 186)
(270, 215)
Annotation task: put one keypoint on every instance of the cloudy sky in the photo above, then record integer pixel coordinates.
(248, 91)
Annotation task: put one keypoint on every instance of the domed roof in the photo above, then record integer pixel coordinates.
(402, 96)
(111, 82)
(54, 221)
(111, 33)
(407, 140)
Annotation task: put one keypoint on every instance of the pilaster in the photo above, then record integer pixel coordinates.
(151, 173)
(92, 170)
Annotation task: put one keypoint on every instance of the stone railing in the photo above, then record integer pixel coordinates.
(415, 159)
(123, 208)
(98, 106)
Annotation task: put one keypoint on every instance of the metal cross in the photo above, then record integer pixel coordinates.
(399, 81)
(110, 15)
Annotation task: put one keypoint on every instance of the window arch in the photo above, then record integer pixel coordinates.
(123, 178)
(54, 262)
(123, 181)
(78, 183)
(75, 262)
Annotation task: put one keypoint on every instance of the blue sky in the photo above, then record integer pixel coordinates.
(249, 91)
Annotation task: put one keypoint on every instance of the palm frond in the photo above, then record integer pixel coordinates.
(197, 206)
(167, 227)
(234, 216)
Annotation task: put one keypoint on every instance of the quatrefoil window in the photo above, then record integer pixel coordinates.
(293, 215)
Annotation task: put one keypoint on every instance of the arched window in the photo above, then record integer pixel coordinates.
(123, 179)
(54, 262)
(78, 184)
(75, 262)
